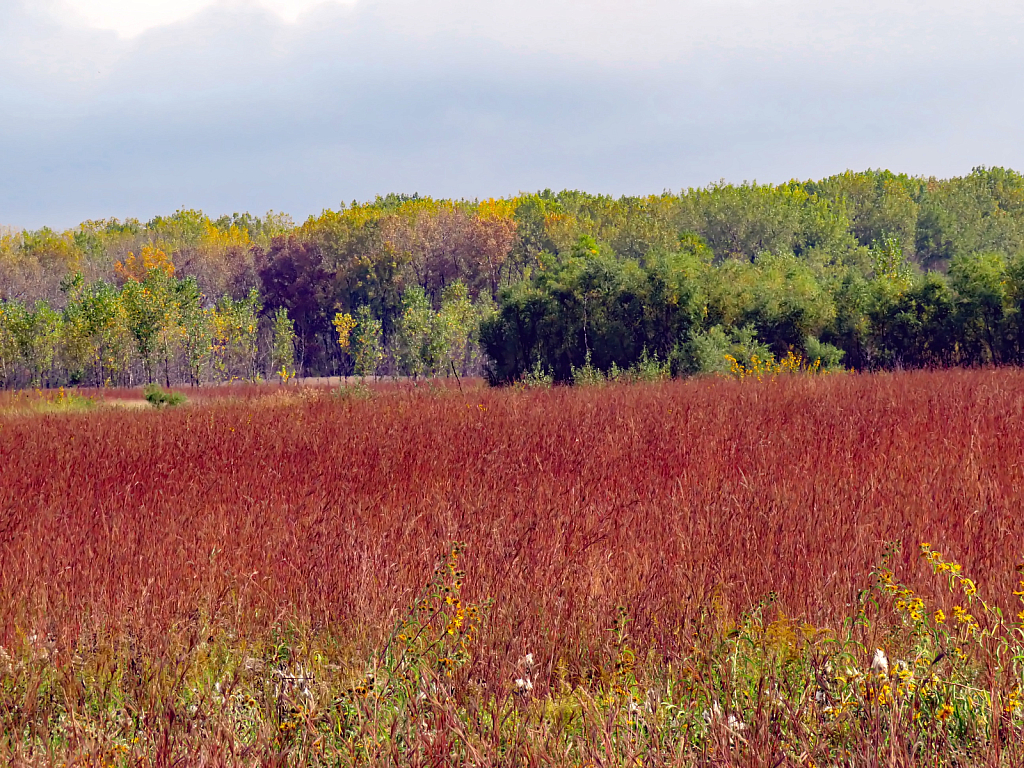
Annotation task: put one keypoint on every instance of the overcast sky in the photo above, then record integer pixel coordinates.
(138, 107)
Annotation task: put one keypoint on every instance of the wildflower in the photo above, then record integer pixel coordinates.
(965, 618)
(944, 712)
(940, 617)
(885, 695)
(1012, 704)
(524, 685)
(969, 589)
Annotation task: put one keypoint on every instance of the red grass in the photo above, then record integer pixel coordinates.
(572, 503)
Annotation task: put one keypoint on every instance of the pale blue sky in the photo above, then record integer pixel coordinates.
(133, 108)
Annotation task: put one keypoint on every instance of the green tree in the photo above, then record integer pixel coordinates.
(236, 336)
(146, 313)
(452, 329)
(37, 333)
(197, 329)
(10, 353)
(590, 308)
(282, 355)
(878, 204)
(741, 222)
(979, 213)
(916, 327)
(77, 344)
(113, 339)
(778, 295)
(148, 297)
(981, 284)
(368, 346)
(415, 353)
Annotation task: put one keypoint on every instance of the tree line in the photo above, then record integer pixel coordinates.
(870, 270)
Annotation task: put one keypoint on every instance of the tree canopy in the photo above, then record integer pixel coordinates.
(868, 270)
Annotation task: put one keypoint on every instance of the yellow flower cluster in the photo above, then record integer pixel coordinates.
(963, 617)
(770, 367)
(440, 626)
(1013, 702)
(906, 601)
(956, 581)
(914, 608)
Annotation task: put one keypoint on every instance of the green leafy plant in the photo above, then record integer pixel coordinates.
(537, 377)
(160, 398)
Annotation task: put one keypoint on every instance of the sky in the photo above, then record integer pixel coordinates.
(134, 108)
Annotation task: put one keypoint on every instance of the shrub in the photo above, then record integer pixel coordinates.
(159, 398)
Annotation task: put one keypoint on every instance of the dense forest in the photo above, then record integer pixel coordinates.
(863, 271)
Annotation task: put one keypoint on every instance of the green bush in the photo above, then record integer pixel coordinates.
(159, 398)
(831, 357)
(706, 351)
(537, 377)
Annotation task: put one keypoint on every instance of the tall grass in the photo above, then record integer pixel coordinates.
(673, 573)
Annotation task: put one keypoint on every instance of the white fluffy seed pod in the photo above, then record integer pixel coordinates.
(880, 663)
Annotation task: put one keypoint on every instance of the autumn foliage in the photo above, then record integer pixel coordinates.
(571, 503)
(658, 513)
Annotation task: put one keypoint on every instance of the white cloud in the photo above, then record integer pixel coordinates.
(130, 18)
(232, 108)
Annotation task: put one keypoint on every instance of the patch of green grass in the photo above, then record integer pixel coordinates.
(48, 401)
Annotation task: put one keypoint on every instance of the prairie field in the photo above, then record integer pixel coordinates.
(702, 572)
